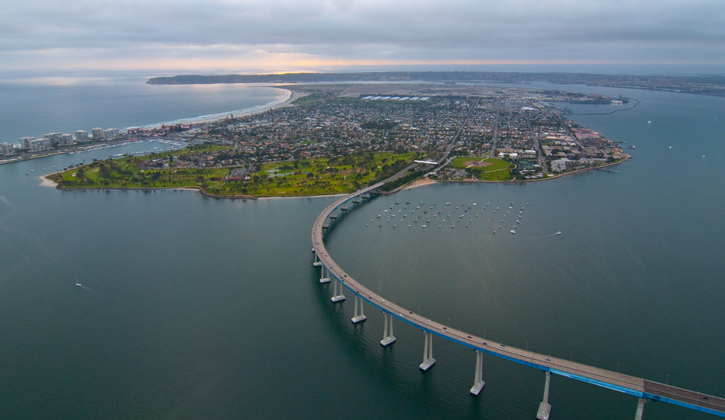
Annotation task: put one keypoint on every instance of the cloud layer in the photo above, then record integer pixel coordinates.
(283, 34)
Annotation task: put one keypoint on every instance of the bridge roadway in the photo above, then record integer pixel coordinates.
(627, 384)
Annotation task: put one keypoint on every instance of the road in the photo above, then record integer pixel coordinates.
(542, 159)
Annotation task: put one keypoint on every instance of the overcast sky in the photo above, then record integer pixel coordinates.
(306, 35)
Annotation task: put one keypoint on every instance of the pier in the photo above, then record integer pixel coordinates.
(643, 389)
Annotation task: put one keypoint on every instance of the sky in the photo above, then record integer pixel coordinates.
(270, 36)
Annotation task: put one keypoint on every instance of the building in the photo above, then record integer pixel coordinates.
(111, 134)
(40, 145)
(7, 149)
(25, 142)
(82, 136)
(559, 165)
(55, 138)
(97, 134)
(66, 140)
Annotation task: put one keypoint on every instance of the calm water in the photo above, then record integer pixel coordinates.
(201, 308)
(30, 108)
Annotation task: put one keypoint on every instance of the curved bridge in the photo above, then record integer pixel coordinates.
(638, 387)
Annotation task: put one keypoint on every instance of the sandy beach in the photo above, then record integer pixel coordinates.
(45, 182)
(286, 101)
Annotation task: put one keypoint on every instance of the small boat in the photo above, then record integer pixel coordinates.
(558, 233)
(424, 226)
(78, 284)
(513, 231)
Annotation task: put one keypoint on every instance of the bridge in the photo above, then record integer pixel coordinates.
(639, 387)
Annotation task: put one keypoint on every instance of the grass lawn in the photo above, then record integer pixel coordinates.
(496, 170)
(326, 176)
(317, 176)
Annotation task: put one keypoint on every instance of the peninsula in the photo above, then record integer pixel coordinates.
(713, 85)
(338, 138)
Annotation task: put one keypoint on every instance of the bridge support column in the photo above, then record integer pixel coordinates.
(478, 377)
(428, 359)
(317, 262)
(323, 279)
(359, 315)
(337, 295)
(388, 337)
(640, 409)
(544, 407)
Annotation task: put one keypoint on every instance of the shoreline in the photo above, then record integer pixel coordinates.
(421, 183)
(45, 182)
(291, 96)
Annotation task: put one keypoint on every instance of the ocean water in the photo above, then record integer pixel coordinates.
(192, 307)
(36, 106)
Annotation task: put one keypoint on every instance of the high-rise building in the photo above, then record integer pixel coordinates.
(97, 134)
(40, 145)
(66, 139)
(25, 142)
(111, 134)
(53, 137)
(82, 136)
(7, 149)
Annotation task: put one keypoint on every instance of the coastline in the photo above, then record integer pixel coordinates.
(422, 183)
(290, 96)
(45, 182)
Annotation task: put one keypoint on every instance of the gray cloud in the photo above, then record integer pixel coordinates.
(354, 29)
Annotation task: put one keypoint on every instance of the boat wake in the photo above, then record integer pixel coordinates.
(85, 287)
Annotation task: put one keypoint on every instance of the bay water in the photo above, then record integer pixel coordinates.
(191, 307)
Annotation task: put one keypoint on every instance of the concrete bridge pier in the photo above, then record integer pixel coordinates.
(323, 279)
(337, 295)
(333, 216)
(640, 409)
(359, 316)
(478, 377)
(317, 262)
(388, 337)
(544, 407)
(428, 359)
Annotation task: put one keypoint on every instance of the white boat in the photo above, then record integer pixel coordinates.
(513, 231)
(78, 284)
(423, 226)
(558, 233)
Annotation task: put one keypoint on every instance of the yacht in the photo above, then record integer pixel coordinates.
(558, 233)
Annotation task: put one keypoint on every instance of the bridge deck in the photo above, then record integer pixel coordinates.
(601, 377)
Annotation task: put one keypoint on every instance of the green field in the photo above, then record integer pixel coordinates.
(317, 176)
(498, 170)
(327, 176)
